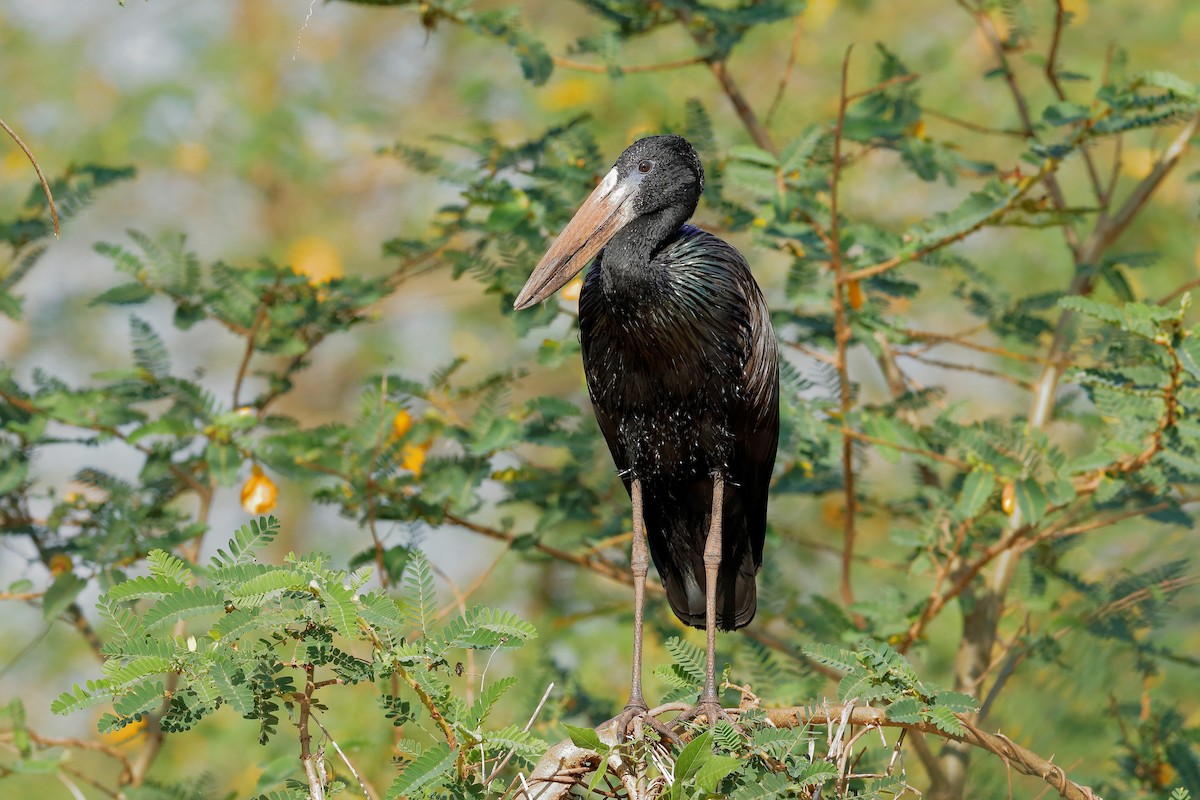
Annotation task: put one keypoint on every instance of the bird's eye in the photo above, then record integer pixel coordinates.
(645, 167)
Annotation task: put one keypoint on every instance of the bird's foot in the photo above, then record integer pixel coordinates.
(635, 718)
(712, 711)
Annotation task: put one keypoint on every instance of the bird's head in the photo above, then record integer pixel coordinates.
(653, 175)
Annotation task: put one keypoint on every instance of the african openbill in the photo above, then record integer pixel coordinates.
(683, 373)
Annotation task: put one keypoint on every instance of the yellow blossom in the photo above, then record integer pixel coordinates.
(412, 457)
(571, 291)
(1008, 497)
(315, 257)
(259, 493)
(854, 294)
(59, 564)
(401, 424)
(133, 732)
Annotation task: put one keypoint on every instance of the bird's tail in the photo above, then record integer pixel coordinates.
(737, 594)
(677, 521)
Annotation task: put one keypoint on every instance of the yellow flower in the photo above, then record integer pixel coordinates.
(1137, 162)
(412, 457)
(833, 512)
(854, 294)
(60, 563)
(570, 93)
(133, 732)
(259, 493)
(818, 13)
(401, 424)
(571, 291)
(316, 257)
(1079, 8)
(1008, 497)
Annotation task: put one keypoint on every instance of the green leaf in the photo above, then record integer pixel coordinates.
(12, 474)
(831, 656)
(487, 700)
(713, 771)
(419, 598)
(1169, 81)
(977, 488)
(61, 594)
(955, 701)
(223, 461)
(906, 709)
(424, 772)
(254, 534)
(149, 351)
(339, 602)
(946, 721)
(79, 697)
(1031, 500)
(191, 601)
(586, 738)
(755, 155)
(690, 760)
(1064, 113)
(688, 657)
(126, 294)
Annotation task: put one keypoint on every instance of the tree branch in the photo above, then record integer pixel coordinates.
(566, 764)
(842, 336)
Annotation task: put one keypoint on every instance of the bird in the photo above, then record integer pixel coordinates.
(682, 369)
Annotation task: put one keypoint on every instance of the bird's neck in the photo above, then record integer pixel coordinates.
(628, 269)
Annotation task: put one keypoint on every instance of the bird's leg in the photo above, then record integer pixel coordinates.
(639, 565)
(710, 701)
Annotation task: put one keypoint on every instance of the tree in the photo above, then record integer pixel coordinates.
(989, 554)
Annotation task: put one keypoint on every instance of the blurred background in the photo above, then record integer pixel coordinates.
(263, 128)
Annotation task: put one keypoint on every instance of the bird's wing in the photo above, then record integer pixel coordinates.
(754, 408)
(609, 426)
(757, 436)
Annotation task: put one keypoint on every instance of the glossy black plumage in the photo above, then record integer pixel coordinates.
(683, 372)
(681, 365)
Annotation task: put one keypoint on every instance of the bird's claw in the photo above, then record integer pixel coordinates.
(635, 717)
(712, 711)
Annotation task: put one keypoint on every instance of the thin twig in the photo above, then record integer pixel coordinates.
(797, 34)
(605, 69)
(504, 762)
(260, 317)
(38, 169)
(842, 334)
(1060, 20)
(971, 126)
(895, 80)
(720, 70)
(850, 433)
(1020, 383)
(936, 338)
(363, 784)
(460, 600)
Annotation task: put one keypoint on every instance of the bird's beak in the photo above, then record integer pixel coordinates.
(605, 212)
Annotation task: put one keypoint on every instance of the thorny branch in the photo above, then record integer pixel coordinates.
(566, 764)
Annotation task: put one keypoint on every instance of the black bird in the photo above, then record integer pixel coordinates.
(683, 373)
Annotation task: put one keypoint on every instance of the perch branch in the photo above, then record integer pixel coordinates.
(566, 764)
